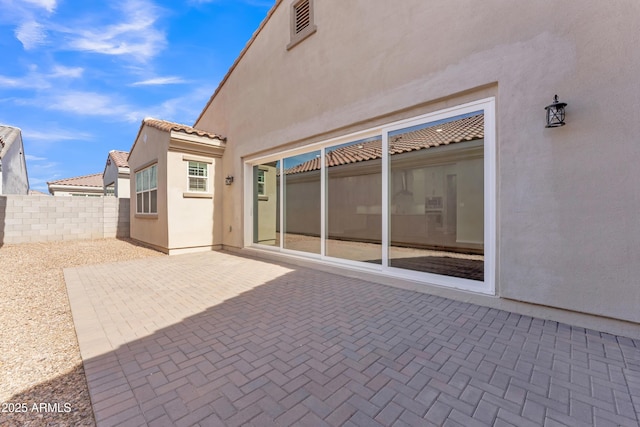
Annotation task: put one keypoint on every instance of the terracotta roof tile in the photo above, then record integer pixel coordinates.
(169, 126)
(93, 180)
(465, 129)
(119, 158)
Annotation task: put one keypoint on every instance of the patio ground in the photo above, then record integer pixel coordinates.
(218, 339)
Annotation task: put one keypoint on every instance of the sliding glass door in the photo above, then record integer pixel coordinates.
(407, 197)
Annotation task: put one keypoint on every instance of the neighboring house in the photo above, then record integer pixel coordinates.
(38, 193)
(13, 166)
(83, 186)
(116, 174)
(173, 173)
(328, 112)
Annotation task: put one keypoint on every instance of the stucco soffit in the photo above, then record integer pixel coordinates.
(193, 144)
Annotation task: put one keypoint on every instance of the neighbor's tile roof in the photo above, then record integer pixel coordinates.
(119, 158)
(169, 126)
(93, 180)
(466, 129)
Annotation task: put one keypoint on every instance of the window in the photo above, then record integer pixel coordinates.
(147, 190)
(110, 190)
(198, 176)
(302, 25)
(260, 182)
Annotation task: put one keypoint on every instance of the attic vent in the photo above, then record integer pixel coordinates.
(301, 21)
(302, 13)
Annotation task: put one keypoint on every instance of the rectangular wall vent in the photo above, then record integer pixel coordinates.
(302, 12)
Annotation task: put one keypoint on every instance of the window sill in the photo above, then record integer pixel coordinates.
(302, 36)
(263, 198)
(194, 195)
(147, 215)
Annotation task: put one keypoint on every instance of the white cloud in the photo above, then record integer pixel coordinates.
(9, 82)
(88, 104)
(31, 158)
(136, 35)
(37, 80)
(54, 135)
(31, 34)
(158, 81)
(182, 109)
(60, 71)
(49, 5)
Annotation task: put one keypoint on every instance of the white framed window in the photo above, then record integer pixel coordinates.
(198, 176)
(414, 198)
(260, 182)
(147, 190)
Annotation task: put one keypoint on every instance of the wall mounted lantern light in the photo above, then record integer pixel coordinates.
(228, 180)
(555, 113)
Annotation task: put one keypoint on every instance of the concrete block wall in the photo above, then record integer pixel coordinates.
(25, 219)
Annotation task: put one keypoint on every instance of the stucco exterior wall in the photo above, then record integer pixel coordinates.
(566, 198)
(25, 219)
(150, 147)
(14, 169)
(119, 179)
(122, 187)
(192, 224)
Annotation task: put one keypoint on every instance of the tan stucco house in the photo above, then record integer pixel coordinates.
(407, 142)
(13, 165)
(174, 170)
(115, 178)
(78, 186)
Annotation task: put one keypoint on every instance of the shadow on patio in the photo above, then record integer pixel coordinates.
(305, 347)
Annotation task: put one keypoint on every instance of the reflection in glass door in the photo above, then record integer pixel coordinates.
(354, 200)
(266, 204)
(436, 197)
(301, 196)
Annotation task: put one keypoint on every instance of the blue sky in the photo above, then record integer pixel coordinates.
(78, 76)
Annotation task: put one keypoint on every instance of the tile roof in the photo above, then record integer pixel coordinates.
(465, 129)
(93, 180)
(170, 126)
(119, 158)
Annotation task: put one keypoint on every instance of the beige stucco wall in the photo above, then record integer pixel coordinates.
(123, 190)
(192, 224)
(116, 176)
(150, 147)
(567, 198)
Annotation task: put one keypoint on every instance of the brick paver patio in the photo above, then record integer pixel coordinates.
(215, 339)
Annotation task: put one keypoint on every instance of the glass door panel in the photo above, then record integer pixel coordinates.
(436, 197)
(354, 200)
(301, 181)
